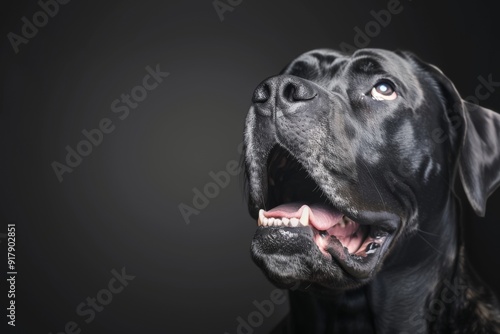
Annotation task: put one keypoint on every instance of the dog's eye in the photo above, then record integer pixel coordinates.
(383, 91)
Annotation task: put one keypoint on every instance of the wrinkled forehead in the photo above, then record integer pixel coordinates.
(329, 67)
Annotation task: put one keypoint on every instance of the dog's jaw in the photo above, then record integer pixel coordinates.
(331, 258)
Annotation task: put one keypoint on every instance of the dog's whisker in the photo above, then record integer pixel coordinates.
(374, 184)
(429, 233)
(432, 246)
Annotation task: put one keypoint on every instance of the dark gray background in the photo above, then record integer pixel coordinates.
(119, 208)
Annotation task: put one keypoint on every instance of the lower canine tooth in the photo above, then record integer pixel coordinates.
(294, 222)
(372, 247)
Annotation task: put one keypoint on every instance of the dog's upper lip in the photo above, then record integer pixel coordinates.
(385, 220)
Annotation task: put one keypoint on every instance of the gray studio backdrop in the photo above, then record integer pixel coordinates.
(120, 129)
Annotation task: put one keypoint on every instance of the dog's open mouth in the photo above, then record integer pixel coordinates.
(299, 207)
(328, 225)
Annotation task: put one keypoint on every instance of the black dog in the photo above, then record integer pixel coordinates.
(354, 166)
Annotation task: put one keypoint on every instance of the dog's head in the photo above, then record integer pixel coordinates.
(346, 156)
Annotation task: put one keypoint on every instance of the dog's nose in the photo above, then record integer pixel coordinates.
(281, 93)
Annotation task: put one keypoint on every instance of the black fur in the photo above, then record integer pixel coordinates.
(391, 165)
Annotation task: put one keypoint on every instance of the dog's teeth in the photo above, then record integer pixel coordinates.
(277, 222)
(285, 221)
(304, 218)
(261, 217)
(372, 247)
(265, 222)
(294, 222)
(342, 224)
(270, 222)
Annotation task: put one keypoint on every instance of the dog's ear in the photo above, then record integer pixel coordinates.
(478, 133)
(479, 163)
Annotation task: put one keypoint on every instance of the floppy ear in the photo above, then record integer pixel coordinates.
(478, 133)
(479, 163)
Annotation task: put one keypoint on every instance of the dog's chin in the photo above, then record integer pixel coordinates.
(305, 238)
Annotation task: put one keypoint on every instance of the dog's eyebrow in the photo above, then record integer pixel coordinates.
(366, 65)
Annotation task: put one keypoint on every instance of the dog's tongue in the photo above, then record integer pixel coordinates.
(321, 216)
